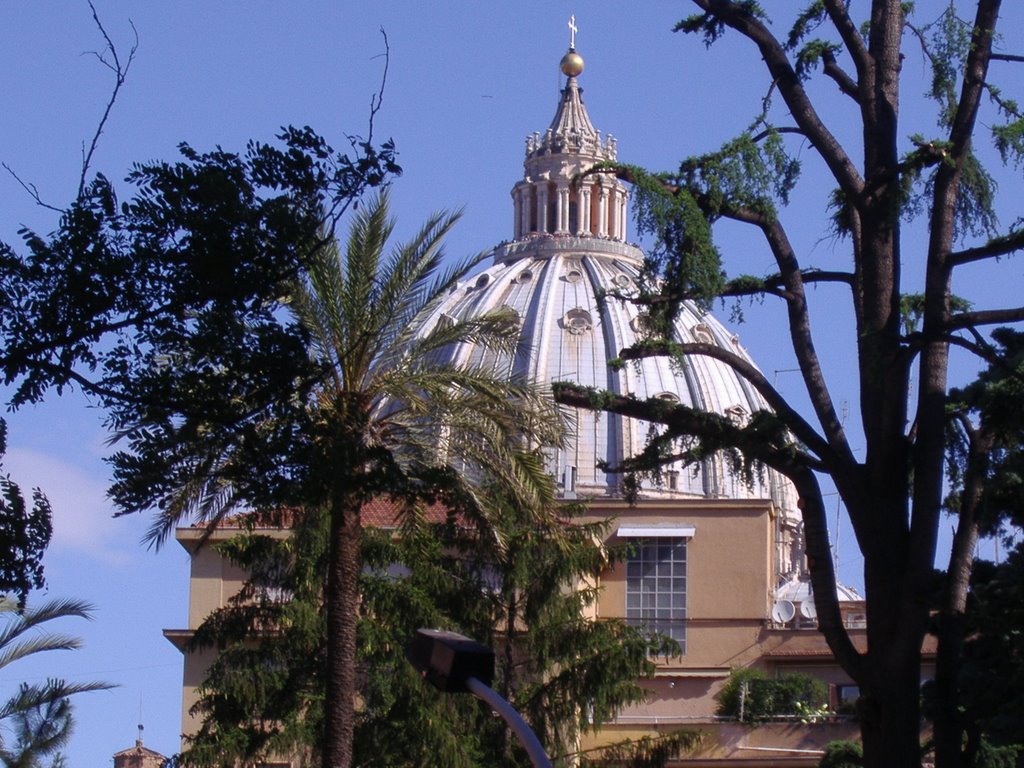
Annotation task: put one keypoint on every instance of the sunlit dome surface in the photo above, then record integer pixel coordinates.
(569, 245)
(799, 591)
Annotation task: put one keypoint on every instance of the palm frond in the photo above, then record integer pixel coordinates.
(31, 697)
(407, 281)
(203, 496)
(11, 649)
(410, 325)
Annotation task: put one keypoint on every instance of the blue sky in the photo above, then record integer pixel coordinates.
(467, 82)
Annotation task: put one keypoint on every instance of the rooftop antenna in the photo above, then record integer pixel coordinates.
(141, 726)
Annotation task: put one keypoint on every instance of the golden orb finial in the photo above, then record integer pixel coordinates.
(571, 64)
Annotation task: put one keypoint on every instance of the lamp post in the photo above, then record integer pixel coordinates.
(456, 664)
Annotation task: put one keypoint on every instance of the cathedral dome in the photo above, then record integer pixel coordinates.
(570, 246)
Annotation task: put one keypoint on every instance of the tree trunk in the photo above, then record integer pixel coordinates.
(342, 603)
(890, 713)
(891, 682)
(949, 723)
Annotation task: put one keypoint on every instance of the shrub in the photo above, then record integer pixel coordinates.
(842, 754)
(751, 696)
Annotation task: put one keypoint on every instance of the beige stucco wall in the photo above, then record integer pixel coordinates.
(729, 571)
(213, 581)
(730, 578)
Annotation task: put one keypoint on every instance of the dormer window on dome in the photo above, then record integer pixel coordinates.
(578, 321)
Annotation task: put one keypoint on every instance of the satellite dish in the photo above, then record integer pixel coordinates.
(808, 610)
(783, 611)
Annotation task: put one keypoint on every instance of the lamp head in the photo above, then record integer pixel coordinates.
(447, 659)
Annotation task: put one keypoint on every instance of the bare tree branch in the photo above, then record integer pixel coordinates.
(975, 70)
(377, 100)
(850, 35)
(796, 423)
(800, 327)
(120, 72)
(839, 163)
(999, 246)
(757, 137)
(847, 84)
(985, 317)
(32, 190)
(978, 347)
(360, 144)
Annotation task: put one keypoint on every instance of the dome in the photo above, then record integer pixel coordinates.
(570, 246)
(799, 591)
(566, 334)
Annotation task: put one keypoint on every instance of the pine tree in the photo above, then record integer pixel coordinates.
(520, 585)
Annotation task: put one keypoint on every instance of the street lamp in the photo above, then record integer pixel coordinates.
(455, 664)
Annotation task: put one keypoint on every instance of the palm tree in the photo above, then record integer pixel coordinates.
(36, 720)
(391, 417)
(383, 418)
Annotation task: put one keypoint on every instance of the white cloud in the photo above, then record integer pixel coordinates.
(82, 515)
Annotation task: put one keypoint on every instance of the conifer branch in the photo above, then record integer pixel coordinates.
(999, 246)
(737, 17)
(831, 68)
(800, 428)
(985, 317)
(850, 35)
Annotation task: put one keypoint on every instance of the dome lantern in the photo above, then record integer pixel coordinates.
(553, 197)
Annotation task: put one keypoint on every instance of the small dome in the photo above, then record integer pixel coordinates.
(571, 64)
(799, 591)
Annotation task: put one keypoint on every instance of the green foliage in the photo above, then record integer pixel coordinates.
(749, 172)
(684, 253)
(991, 676)
(812, 54)
(262, 694)
(1009, 139)
(24, 534)
(975, 211)
(912, 309)
(198, 256)
(710, 27)
(489, 581)
(646, 752)
(989, 756)
(842, 754)
(993, 401)
(939, 184)
(245, 360)
(706, 24)
(947, 41)
(812, 17)
(752, 697)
